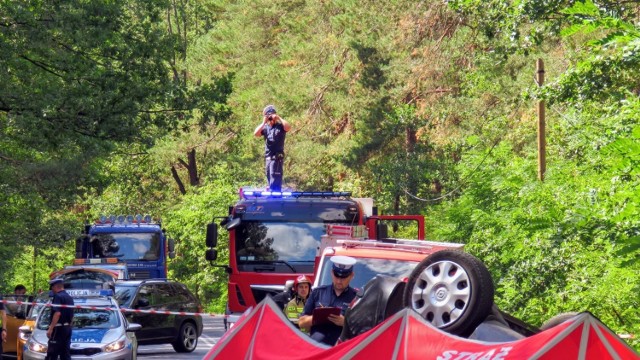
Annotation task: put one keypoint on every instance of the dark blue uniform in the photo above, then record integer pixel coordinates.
(274, 154)
(326, 296)
(60, 341)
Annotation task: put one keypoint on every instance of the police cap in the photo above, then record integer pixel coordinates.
(342, 265)
(55, 281)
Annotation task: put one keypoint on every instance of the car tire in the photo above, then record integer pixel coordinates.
(557, 320)
(451, 289)
(187, 338)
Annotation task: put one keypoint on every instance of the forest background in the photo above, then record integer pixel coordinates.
(125, 107)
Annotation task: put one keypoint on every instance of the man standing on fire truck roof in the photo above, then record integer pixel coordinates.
(339, 294)
(274, 130)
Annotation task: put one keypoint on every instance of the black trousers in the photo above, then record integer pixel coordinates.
(273, 167)
(59, 343)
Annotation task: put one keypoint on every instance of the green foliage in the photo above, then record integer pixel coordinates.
(424, 106)
(51, 237)
(187, 223)
(610, 70)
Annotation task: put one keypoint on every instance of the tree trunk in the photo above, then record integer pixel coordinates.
(176, 177)
(411, 140)
(396, 210)
(192, 167)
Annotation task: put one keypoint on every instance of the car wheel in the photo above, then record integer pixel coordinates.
(557, 320)
(451, 289)
(187, 338)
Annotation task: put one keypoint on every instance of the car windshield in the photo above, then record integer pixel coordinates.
(366, 268)
(127, 246)
(84, 319)
(124, 295)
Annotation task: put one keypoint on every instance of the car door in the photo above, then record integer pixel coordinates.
(154, 326)
(181, 301)
(163, 300)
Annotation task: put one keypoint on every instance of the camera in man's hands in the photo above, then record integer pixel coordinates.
(270, 117)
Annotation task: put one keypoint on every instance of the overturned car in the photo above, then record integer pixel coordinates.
(451, 289)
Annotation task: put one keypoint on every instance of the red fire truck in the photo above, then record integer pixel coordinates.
(275, 237)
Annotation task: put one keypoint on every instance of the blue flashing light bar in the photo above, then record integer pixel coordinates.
(245, 194)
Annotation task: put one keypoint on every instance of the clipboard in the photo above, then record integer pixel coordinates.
(321, 315)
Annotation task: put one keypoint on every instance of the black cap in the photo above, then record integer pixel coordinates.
(269, 110)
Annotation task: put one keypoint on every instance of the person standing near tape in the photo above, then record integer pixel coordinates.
(3, 319)
(274, 130)
(59, 332)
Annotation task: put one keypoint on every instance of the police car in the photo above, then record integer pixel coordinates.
(99, 330)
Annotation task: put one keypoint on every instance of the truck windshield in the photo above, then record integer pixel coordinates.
(126, 246)
(277, 242)
(366, 268)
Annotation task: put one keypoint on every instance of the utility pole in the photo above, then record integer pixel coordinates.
(542, 142)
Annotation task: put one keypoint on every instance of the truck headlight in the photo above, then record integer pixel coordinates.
(36, 346)
(116, 345)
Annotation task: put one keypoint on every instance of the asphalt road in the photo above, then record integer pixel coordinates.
(213, 330)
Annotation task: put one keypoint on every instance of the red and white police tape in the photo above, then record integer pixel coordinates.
(124, 310)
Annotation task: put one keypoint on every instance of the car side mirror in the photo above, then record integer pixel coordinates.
(133, 327)
(142, 302)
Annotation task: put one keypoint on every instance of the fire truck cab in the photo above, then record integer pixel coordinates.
(275, 237)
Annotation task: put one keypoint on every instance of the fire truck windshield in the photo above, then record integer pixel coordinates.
(290, 243)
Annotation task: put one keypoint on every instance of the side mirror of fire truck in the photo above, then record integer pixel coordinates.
(211, 255)
(382, 231)
(212, 235)
(79, 242)
(171, 245)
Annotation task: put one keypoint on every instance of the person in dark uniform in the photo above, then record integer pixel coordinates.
(3, 319)
(59, 332)
(274, 130)
(339, 294)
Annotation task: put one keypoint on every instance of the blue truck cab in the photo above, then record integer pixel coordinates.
(136, 241)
